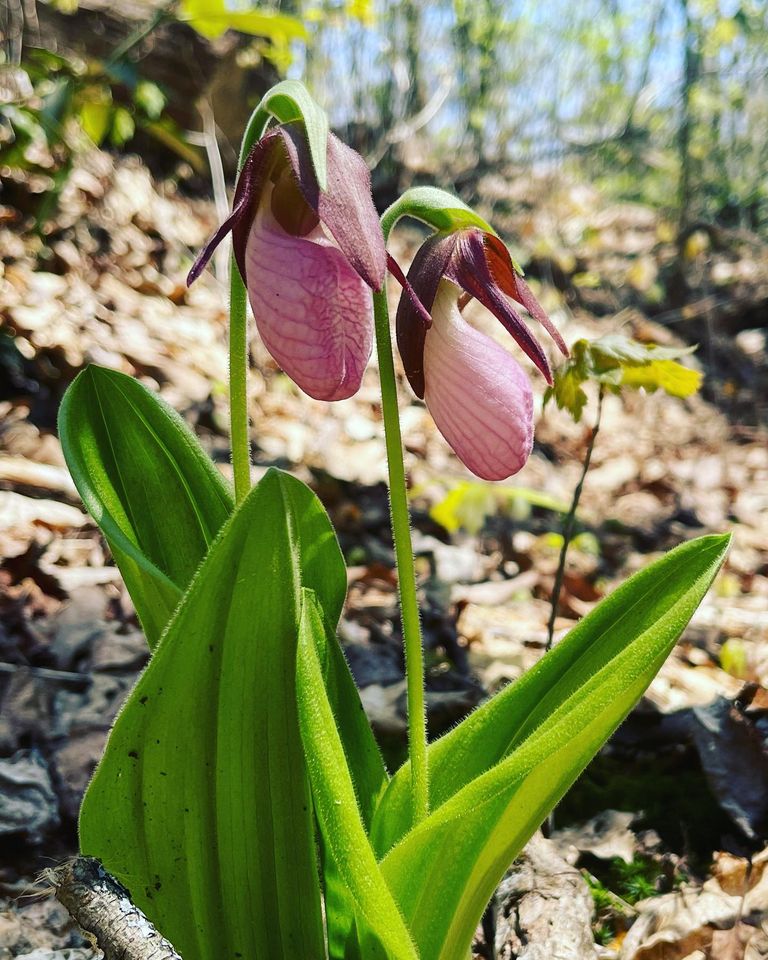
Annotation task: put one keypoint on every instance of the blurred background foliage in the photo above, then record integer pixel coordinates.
(664, 103)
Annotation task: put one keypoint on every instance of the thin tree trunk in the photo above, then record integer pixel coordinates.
(415, 98)
(690, 76)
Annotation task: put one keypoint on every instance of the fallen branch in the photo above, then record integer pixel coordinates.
(103, 908)
(544, 908)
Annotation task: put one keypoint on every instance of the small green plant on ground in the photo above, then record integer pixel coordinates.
(616, 886)
(614, 363)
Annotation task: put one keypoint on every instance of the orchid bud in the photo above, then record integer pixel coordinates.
(477, 393)
(309, 259)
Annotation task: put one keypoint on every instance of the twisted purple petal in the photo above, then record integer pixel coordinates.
(477, 393)
(248, 190)
(394, 268)
(469, 269)
(512, 284)
(426, 272)
(346, 207)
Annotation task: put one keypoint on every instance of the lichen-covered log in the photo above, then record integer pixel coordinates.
(103, 908)
(544, 908)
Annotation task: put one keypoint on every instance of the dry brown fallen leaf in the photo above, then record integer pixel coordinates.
(605, 836)
(675, 925)
(28, 473)
(18, 512)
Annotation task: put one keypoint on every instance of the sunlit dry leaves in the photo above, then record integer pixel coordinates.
(22, 514)
(605, 836)
(22, 472)
(675, 925)
(30, 805)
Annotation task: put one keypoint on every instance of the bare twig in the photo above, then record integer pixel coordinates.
(569, 522)
(405, 129)
(160, 15)
(103, 907)
(44, 673)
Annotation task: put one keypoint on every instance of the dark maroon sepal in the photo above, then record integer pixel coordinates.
(346, 206)
(201, 261)
(512, 284)
(249, 186)
(469, 269)
(394, 268)
(427, 270)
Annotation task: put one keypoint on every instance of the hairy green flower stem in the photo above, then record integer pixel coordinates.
(401, 535)
(570, 521)
(401, 529)
(238, 341)
(238, 392)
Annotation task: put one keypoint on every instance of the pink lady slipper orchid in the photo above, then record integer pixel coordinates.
(309, 259)
(477, 393)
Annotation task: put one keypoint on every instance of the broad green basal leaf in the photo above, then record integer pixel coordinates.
(147, 482)
(336, 803)
(201, 804)
(361, 750)
(368, 773)
(444, 871)
(652, 607)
